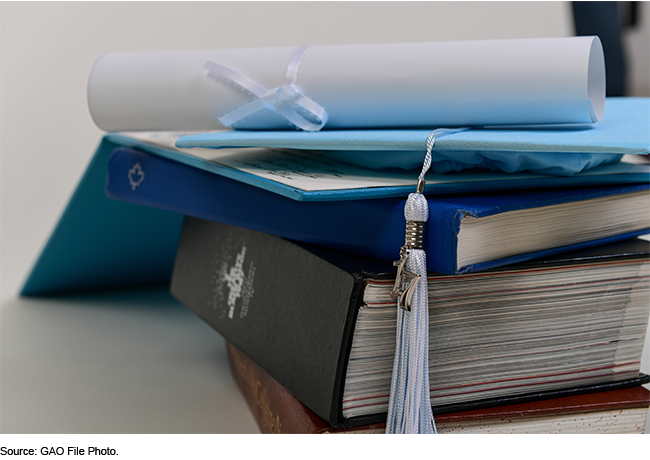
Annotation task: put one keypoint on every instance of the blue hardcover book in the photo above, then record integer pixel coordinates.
(464, 233)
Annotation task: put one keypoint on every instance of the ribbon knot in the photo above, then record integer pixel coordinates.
(288, 101)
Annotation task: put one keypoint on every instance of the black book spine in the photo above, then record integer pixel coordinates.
(289, 310)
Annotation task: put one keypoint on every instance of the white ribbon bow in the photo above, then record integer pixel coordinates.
(287, 100)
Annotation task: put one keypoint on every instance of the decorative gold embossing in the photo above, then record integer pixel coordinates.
(272, 421)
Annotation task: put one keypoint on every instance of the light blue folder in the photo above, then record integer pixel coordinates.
(561, 150)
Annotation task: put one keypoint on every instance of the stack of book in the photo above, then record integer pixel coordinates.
(539, 287)
(322, 322)
(538, 309)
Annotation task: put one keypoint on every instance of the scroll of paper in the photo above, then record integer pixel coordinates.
(467, 83)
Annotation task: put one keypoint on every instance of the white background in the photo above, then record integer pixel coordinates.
(47, 136)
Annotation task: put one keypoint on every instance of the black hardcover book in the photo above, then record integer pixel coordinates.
(321, 322)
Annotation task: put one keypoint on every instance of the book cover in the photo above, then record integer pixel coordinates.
(453, 241)
(321, 322)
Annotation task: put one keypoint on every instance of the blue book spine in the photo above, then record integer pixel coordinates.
(371, 227)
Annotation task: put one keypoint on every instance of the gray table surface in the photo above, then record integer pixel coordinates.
(127, 362)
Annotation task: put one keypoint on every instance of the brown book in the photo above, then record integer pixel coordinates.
(276, 410)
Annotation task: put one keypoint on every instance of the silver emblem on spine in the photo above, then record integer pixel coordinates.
(230, 283)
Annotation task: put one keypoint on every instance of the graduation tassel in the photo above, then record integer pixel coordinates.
(409, 406)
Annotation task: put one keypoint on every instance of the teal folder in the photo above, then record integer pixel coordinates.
(103, 244)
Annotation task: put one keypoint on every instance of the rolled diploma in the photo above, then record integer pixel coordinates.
(466, 83)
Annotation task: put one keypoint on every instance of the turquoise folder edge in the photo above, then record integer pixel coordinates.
(103, 244)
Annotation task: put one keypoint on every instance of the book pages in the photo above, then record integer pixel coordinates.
(508, 332)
